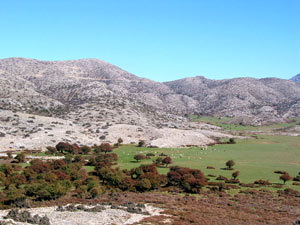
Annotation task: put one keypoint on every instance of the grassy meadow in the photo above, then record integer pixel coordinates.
(222, 122)
(255, 158)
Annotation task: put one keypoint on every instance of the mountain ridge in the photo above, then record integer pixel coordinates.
(74, 82)
(296, 78)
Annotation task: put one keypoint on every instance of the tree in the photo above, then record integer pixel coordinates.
(139, 157)
(51, 150)
(105, 147)
(235, 174)
(58, 164)
(285, 177)
(143, 184)
(231, 141)
(141, 143)
(6, 169)
(230, 164)
(63, 146)
(20, 157)
(158, 161)
(167, 161)
(190, 180)
(85, 149)
(9, 155)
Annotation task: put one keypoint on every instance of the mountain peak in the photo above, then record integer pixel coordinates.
(296, 78)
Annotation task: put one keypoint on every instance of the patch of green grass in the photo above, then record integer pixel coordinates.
(24, 164)
(89, 168)
(39, 154)
(222, 122)
(255, 158)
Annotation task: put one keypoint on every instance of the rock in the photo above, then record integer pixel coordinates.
(44, 221)
(60, 208)
(94, 209)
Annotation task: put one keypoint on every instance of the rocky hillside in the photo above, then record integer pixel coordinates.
(263, 99)
(89, 100)
(57, 87)
(296, 78)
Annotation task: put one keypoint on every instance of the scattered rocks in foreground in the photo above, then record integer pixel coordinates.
(26, 217)
(128, 207)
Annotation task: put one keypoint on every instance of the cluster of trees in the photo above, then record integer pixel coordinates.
(160, 161)
(190, 180)
(49, 180)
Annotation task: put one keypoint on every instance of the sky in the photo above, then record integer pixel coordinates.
(161, 40)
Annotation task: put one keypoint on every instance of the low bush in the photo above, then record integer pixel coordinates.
(262, 182)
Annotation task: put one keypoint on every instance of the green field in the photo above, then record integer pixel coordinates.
(222, 122)
(255, 158)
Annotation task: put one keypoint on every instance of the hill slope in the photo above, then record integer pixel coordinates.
(296, 78)
(56, 86)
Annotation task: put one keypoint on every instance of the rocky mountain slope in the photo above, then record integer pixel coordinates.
(264, 99)
(94, 96)
(296, 78)
(33, 85)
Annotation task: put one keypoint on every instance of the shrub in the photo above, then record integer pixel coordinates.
(231, 141)
(141, 143)
(279, 172)
(211, 175)
(14, 194)
(235, 174)
(150, 173)
(297, 178)
(233, 181)
(63, 146)
(57, 164)
(262, 182)
(139, 157)
(85, 149)
(158, 161)
(143, 184)
(190, 180)
(20, 157)
(120, 141)
(166, 161)
(9, 155)
(66, 147)
(210, 167)
(38, 166)
(61, 175)
(104, 147)
(68, 158)
(6, 169)
(285, 177)
(220, 177)
(51, 150)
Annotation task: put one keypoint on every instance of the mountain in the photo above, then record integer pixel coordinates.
(296, 78)
(88, 101)
(266, 98)
(57, 87)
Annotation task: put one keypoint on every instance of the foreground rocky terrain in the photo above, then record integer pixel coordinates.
(89, 100)
(246, 207)
(81, 214)
(27, 131)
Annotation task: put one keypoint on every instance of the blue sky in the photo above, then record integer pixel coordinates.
(159, 39)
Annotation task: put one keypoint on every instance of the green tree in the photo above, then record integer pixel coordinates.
(230, 164)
